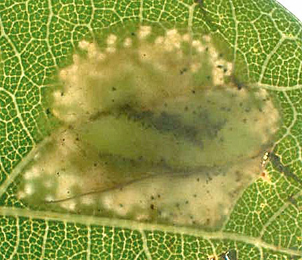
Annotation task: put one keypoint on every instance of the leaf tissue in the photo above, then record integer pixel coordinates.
(150, 130)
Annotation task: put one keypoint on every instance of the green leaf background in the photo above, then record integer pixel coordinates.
(38, 37)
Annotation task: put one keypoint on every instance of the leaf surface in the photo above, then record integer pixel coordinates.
(38, 37)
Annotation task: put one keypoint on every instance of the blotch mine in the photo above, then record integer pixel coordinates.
(152, 127)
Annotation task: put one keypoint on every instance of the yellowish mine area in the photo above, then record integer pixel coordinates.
(154, 127)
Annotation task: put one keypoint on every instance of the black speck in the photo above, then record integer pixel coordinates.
(208, 77)
(183, 70)
(133, 34)
(152, 197)
(197, 179)
(193, 91)
(112, 100)
(62, 94)
(58, 173)
(152, 206)
(47, 111)
(195, 195)
(207, 48)
(113, 89)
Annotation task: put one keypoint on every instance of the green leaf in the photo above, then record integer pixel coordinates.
(38, 39)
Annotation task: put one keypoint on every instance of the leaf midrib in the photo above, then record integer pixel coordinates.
(142, 227)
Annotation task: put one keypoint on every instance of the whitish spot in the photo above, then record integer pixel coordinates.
(86, 200)
(127, 42)
(28, 189)
(32, 173)
(144, 31)
(84, 45)
(111, 40)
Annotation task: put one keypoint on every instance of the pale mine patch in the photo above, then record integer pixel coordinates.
(206, 38)
(100, 56)
(74, 92)
(217, 72)
(37, 156)
(92, 51)
(186, 37)
(159, 40)
(207, 205)
(198, 46)
(28, 189)
(21, 195)
(86, 200)
(74, 75)
(32, 173)
(220, 67)
(49, 167)
(268, 124)
(110, 49)
(83, 45)
(48, 184)
(144, 31)
(69, 205)
(142, 217)
(264, 159)
(65, 183)
(49, 198)
(128, 42)
(111, 40)
(195, 67)
(173, 40)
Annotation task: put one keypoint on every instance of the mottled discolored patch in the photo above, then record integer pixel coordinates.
(153, 127)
